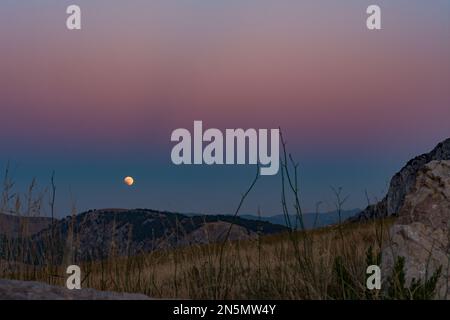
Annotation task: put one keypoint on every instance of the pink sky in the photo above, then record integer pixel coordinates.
(137, 72)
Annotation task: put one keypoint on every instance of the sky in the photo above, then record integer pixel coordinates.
(98, 104)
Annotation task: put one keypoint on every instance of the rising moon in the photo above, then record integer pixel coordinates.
(128, 181)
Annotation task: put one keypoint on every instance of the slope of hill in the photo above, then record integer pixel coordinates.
(402, 183)
(13, 226)
(98, 234)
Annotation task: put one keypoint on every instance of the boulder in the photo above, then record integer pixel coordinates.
(31, 290)
(421, 233)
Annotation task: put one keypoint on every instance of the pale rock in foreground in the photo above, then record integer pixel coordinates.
(31, 290)
(421, 233)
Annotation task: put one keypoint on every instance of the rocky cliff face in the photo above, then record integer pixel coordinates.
(402, 183)
(422, 232)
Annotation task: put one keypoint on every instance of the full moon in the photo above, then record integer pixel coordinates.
(128, 181)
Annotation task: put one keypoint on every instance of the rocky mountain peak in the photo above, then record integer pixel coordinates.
(403, 182)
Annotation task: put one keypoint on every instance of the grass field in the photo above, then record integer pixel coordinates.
(328, 263)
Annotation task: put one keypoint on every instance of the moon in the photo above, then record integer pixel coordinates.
(128, 181)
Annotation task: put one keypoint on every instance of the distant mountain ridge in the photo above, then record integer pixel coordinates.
(310, 220)
(402, 183)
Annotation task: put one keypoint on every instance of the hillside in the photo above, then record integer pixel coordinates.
(13, 226)
(98, 234)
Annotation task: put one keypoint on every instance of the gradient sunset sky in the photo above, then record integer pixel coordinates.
(98, 104)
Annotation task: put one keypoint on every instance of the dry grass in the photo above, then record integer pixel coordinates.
(329, 263)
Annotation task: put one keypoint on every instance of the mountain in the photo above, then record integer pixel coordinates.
(402, 183)
(97, 234)
(13, 225)
(310, 220)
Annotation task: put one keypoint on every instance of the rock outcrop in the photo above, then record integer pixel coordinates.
(31, 290)
(421, 233)
(402, 183)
